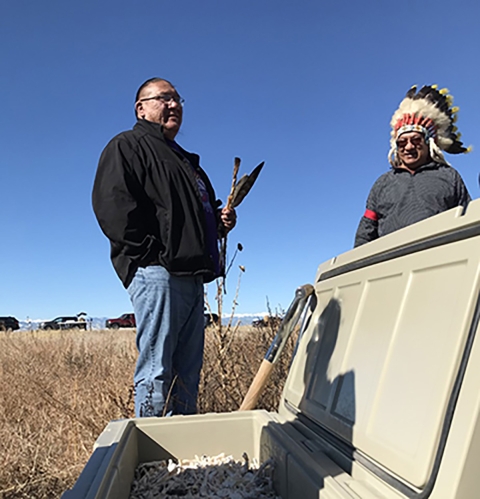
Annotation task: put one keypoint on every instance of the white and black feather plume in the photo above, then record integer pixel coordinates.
(428, 111)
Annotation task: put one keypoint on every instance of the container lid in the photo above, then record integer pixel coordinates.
(382, 358)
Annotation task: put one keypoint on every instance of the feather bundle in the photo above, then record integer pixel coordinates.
(243, 186)
(430, 112)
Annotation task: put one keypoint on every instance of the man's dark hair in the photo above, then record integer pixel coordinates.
(145, 84)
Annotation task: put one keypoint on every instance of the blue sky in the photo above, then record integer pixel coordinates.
(309, 87)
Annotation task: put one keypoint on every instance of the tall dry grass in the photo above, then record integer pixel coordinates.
(58, 390)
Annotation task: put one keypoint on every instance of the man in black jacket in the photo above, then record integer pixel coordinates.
(158, 209)
(421, 183)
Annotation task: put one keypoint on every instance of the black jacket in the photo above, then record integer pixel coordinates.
(147, 202)
(399, 198)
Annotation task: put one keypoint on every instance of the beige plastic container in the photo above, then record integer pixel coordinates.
(383, 396)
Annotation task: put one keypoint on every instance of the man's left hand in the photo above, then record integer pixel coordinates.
(228, 218)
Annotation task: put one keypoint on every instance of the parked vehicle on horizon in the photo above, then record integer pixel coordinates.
(125, 320)
(9, 323)
(128, 320)
(65, 322)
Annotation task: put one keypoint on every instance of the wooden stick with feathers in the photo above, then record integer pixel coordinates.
(237, 194)
(236, 167)
(223, 246)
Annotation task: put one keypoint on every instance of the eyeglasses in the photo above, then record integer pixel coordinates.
(416, 141)
(166, 98)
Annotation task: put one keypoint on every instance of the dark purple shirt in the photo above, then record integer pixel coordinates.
(210, 216)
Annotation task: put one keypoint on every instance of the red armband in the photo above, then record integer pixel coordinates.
(371, 215)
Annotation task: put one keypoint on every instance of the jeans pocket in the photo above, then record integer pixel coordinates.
(133, 286)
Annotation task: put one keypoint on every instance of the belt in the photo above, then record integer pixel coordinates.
(152, 263)
(149, 264)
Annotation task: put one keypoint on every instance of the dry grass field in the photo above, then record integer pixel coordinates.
(58, 390)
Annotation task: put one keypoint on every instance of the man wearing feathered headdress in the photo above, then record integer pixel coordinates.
(421, 183)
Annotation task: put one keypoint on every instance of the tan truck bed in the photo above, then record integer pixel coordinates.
(383, 396)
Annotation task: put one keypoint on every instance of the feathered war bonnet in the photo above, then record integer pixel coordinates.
(429, 112)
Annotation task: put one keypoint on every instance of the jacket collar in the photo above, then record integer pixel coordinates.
(150, 128)
(432, 165)
(156, 130)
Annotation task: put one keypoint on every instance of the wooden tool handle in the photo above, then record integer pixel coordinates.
(257, 386)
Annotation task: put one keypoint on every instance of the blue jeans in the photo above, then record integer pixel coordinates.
(170, 337)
